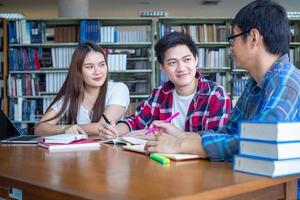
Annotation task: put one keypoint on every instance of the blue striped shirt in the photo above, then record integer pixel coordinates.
(274, 97)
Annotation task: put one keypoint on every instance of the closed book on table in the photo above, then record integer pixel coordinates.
(84, 144)
(266, 167)
(64, 138)
(271, 150)
(270, 130)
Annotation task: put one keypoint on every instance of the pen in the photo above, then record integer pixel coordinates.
(161, 159)
(105, 119)
(165, 121)
(109, 122)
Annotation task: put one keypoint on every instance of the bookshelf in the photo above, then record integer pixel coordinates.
(40, 52)
(3, 64)
(210, 36)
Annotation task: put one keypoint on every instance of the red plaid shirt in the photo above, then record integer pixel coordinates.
(208, 110)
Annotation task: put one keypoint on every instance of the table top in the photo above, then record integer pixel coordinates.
(113, 173)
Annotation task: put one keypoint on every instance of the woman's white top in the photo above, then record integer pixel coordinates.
(117, 94)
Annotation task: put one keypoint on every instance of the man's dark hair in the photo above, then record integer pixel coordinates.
(271, 20)
(173, 39)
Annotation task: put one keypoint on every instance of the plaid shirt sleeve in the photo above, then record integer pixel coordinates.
(143, 114)
(280, 105)
(218, 108)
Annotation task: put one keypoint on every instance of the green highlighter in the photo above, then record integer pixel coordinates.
(161, 159)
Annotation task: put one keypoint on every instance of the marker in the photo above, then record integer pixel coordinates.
(105, 119)
(161, 159)
(165, 121)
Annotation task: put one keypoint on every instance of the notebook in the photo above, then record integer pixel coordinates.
(172, 156)
(10, 134)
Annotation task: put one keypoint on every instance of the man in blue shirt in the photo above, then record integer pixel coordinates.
(260, 44)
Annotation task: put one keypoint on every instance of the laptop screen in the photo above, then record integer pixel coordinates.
(7, 129)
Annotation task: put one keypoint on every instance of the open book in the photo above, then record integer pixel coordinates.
(126, 140)
(172, 156)
(63, 138)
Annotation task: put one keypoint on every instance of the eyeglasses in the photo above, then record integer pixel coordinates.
(230, 39)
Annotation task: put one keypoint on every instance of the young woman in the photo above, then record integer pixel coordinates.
(85, 96)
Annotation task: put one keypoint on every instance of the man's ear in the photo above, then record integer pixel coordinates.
(161, 67)
(256, 37)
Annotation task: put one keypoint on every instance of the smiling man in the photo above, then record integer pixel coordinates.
(260, 44)
(202, 104)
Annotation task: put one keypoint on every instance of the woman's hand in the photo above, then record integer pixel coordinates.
(75, 129)
(107, 131)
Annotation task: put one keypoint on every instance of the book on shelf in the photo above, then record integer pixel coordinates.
(278, 131)
(83, 144)
(271, 150)
(266, 167)
(176, 157)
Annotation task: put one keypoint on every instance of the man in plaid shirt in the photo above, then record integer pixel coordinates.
(202, 104)
(259, 43)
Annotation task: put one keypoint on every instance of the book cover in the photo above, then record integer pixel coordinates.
(83, 144)
(65, 138)
(266, 167)
(172, 156)
(278, 131)
(270, 150)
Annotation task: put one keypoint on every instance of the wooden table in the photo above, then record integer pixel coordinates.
(112, 173)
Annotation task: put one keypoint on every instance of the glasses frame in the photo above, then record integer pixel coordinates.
(231, 38)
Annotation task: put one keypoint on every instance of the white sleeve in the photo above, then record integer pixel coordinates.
(117, 94)
(57, 106)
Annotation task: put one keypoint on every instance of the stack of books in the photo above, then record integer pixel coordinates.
(68, 142)
(269, 148)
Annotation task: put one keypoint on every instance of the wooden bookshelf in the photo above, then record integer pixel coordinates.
(133, 41)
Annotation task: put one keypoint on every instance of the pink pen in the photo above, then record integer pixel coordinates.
(165, 121)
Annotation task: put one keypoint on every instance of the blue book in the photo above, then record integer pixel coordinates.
(276, 131)
(82, 33)
(266, 167)
(271, 150)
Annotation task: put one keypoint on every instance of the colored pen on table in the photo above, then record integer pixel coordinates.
(161, 159)
(165, 121)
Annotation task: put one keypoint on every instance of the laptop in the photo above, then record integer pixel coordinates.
(10, 134)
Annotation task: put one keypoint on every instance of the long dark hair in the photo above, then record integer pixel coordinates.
(73, 87)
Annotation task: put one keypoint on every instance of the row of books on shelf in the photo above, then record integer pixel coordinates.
(23, 85)
(213, 57)
(117, 62)
(61, 57)
(268, 148)
(21, 109)
(93, 30)
(200, 33)
(54, 81)
(24, 59)
(219, 77)
(295, 56)
(21, 59)
(295, 31)
(35, 31)
(239, 84)
(26, 32)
